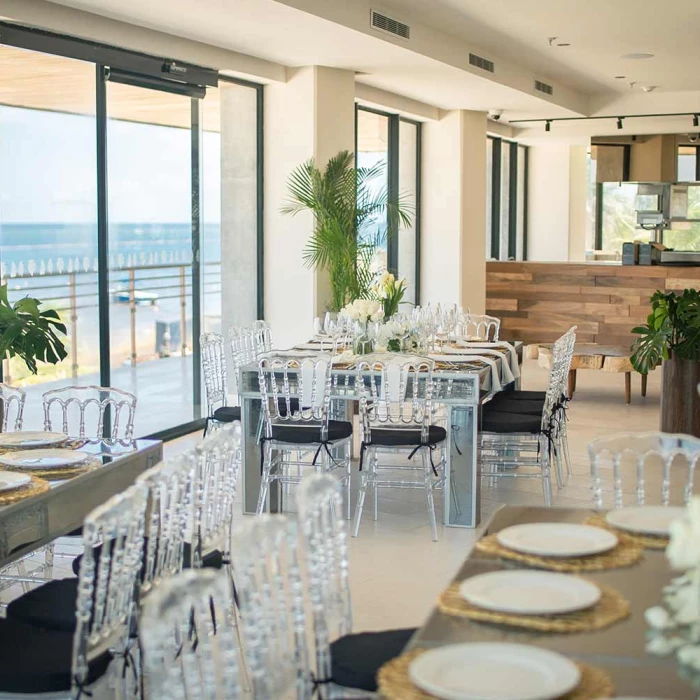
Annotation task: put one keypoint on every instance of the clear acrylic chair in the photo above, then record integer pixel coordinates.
(639, 462)
(396, 416)
(81, 411)
(271, 598)
(477, 326)
(510, 441)
(344, 666)
(214, 369)
(263, 336)
(189, 643)
(12, 401)
(295, 392)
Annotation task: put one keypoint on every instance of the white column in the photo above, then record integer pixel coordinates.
(310, 116)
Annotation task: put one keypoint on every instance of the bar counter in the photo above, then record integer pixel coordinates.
(538, 301)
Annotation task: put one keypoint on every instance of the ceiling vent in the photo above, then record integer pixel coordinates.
(390, 26)
(543, 87)
(483, 63)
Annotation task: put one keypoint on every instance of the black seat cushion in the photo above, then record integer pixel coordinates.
(522, 395)
(311, 434)
(390, 437)
(502, 404)
(356, 658)
(48, 607)
(497, 422)
(227, 414)
(33, 661)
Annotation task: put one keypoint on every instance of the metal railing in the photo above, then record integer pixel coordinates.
(73, 291)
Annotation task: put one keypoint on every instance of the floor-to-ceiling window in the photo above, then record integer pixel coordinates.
(394, 144)
(114, 184)
(506, 199)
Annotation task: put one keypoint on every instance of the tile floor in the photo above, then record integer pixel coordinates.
(397, 571)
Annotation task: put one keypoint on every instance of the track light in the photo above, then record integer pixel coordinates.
(619, 122)
(695, 120)
(548, 125)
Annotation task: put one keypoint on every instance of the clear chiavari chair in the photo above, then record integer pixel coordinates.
(509, 441)
(639, 462)
(215, 373)
(396, 416)
(470, 326)
(12, 401)
(263, 336)
(81, 412)
(189, 645)
(295, 392)
(271, 599)
(344, 664)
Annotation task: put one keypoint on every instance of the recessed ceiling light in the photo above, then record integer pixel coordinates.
(637, 56)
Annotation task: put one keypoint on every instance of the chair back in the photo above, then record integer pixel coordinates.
(244, 351)
(80, 411)
(263, 336)
(171, 485)
(305, 377)
(479, 326)
(107, 581)
(214, 370)
(270, 591)
(395, 392)
(325, 555)
(562, 354)
(218, 461)
(12, 401)
(664, 461)
(189, 642)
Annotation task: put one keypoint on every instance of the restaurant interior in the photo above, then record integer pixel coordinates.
(349, 350)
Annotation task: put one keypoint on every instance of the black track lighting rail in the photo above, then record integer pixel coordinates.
(619, 119)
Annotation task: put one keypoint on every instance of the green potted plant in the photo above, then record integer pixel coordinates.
(352, 218)
(671, 337)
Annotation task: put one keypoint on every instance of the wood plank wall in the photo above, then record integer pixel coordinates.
(537, 302)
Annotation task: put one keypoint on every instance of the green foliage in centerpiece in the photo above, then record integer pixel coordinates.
(390, 292)
(352, 218)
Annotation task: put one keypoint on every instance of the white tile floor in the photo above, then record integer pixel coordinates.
(397, 571)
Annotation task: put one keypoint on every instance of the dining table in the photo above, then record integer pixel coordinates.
(39, 519)
(618, 649)
(466, 375)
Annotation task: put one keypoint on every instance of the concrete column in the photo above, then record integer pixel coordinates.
(578, 194)
(312, 115)
(453, 241)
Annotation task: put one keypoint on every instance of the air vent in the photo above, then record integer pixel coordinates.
(543, 87)
(389, 25)
(482, 63)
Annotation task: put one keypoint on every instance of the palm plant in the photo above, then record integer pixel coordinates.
(347, 204)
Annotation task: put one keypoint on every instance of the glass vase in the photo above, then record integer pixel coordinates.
(362, 342)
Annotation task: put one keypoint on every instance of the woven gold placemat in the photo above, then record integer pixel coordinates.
(626, 553)
(646, 541)
(33, 488)
(61, 474)
(70, 444)
(394, 683)
(612, 607)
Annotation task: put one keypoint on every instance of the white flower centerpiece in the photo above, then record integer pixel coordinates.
(363, 312)
(389, 291)
(675, 625)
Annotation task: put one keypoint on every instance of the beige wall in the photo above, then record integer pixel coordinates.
(653, 159)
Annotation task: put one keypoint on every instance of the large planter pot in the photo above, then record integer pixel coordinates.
(680, 402)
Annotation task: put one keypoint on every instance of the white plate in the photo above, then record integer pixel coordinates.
(43, 459)
(557, 539)
(26, 439)
(529, 592)
(649, 520)
(494, 672)
(13, 480)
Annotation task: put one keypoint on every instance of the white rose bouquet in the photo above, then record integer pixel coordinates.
(363, 310)
(390, 292)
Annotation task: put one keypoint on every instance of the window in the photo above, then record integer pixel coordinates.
(506, 200)
(123, 234)
(618, 216)
(687, 167)
(395, 143)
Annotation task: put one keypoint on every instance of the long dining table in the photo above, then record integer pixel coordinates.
(461, 386)
(38, 520)
(619, 649)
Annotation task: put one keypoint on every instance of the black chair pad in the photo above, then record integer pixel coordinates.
(496, 422)
(396, 437)
(505, 405)
(522, 395)
(311, 434)
(50, 606)
(356, 658)
(227, 414)
(33, 661)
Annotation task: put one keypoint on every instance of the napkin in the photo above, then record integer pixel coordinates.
(468, 357)
(507, 375)
(507, 347)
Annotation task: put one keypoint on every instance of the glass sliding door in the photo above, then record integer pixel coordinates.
(409, 175)
(150, 232)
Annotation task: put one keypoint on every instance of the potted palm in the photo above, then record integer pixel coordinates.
(671, 337)
(353, 215)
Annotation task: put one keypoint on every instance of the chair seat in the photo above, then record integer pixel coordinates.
(502, 403)
(497, 422)
(49, 607)
(227, 414)
(395, 437)
(311, 434)
(33, 661)
(356, 658)
(522, 395)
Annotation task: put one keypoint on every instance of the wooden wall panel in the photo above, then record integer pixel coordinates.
(537, 302)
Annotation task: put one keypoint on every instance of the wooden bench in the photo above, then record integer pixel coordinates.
(608, 358)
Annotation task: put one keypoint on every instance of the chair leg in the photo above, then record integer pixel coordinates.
(429, 500)
(360, 505)
(348, 480)
(375, 489)
(545, 466)
(265, 480)
(565, 447)
(453, 492)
